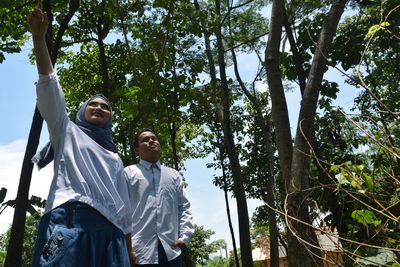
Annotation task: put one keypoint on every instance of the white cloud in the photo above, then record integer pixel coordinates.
(11, 157)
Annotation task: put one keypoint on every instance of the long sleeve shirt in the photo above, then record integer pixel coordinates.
(161, 210)
(83, 170)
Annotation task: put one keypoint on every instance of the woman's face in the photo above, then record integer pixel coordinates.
(97, 111)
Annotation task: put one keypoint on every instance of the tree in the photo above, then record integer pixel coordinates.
(30, 233)
(294, 159)
(198, 248)
(12, 32)
(222, 87)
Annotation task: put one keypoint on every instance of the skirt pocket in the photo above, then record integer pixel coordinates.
(61, 239)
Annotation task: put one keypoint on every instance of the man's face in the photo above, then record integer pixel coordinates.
(148, 148)
(97, 111)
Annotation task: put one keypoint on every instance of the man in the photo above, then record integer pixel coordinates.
(162, 218)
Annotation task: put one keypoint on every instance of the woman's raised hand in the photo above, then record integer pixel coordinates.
(38, 21)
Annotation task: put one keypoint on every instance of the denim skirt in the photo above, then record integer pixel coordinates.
(75, 234)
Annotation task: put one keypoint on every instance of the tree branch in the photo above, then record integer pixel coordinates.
(245, 42)
(232, 8)
(73, 7)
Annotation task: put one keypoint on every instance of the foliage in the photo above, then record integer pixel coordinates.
(12, 31)
(220, 262)
(28, 243)
(365, 161)
(149, 76)
(199, 249)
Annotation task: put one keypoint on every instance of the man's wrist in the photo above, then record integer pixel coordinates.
(185, 239)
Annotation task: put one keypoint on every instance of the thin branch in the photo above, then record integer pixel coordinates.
(245, 42)
(232, 8)
(73, 7)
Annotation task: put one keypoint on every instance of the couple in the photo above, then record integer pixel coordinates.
(98, 213)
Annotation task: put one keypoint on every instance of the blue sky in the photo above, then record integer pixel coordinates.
(17, 96)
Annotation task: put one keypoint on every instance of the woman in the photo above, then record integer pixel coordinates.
(87, 213)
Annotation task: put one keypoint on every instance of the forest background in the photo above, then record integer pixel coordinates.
(172, 66)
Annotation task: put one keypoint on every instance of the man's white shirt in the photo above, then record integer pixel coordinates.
(161, 210)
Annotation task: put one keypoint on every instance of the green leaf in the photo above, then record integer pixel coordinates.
(368, 181)
(372, 30)
(365, 217)
(375, 28)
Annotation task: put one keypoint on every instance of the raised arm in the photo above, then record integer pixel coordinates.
(38, 24)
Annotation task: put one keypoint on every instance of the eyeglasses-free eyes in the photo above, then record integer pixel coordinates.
(95, 104)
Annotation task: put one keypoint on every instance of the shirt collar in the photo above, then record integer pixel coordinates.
(147, 164)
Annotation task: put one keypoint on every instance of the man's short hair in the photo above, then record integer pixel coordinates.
(136, 138)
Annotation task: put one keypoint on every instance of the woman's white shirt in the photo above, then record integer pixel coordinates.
(83, 170)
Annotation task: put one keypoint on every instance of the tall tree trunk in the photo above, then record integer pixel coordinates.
(102, 32)
(14, 249)
(303, 143)
(270, 198)
(228, 211)
(328, 193)
(213, 76)
(104, 69)
(296, 175)
(273, 228)
(243, 215)
(280, 115)
(175, 106)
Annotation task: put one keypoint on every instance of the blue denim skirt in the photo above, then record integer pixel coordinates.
(75, 234)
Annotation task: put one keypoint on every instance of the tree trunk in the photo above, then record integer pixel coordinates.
(280, 115)
(175, 108)
(303, 145)
(328, 193)
(243, 215)
(228, 211)
(14, 249)
(213, 75)
(270, 199)
(102, 32)
(296, 173)
(104, 69)
(273, 228)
